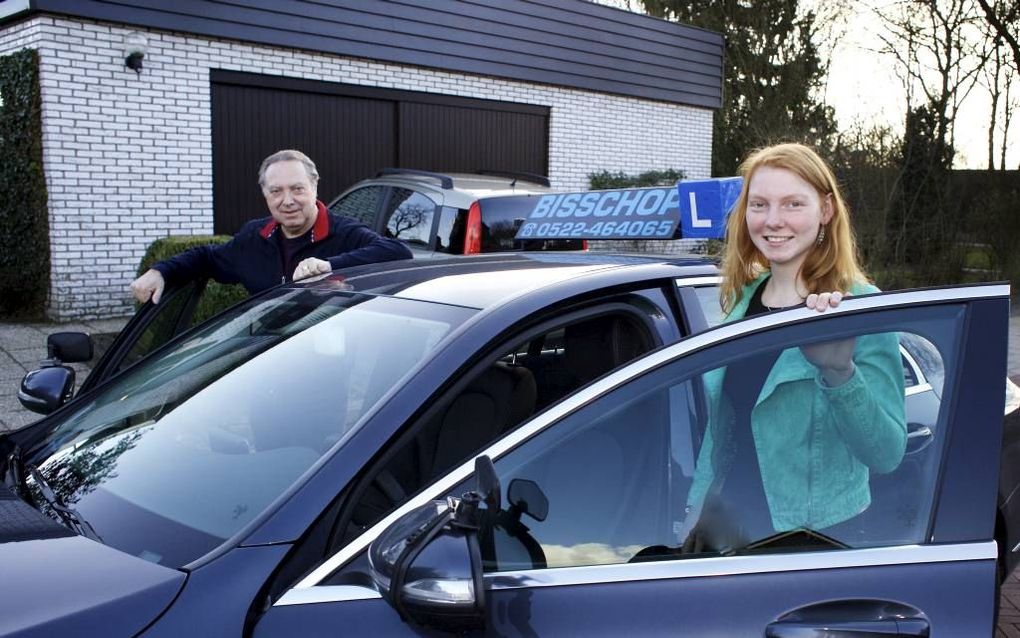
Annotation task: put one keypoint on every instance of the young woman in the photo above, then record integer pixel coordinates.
(793, 435)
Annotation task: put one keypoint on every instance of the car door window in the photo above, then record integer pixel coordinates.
(170, 316)
(360, 204)
(409, 216)
(536, 372)
(919, 359)
(180, 309)
(684, 472)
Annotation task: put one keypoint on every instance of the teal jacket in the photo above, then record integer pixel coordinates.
(816, 444)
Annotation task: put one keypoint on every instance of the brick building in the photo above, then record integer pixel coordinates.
(562, 87)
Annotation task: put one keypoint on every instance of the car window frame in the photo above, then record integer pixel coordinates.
(687, 290)
(311, 589)
(109, 365)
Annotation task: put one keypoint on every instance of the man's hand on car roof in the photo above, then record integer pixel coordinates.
(311, 267)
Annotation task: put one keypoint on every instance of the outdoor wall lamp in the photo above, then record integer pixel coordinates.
(134, 51)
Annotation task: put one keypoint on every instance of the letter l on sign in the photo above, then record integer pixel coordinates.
(695, 220)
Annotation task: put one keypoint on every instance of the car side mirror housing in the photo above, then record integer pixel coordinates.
(69, 347)
(428, 563)
(428, 566)
(46, 389)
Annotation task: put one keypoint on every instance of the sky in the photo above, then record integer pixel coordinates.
(862, 85)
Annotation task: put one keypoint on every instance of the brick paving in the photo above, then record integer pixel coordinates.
(22, 347)
(1008, 625)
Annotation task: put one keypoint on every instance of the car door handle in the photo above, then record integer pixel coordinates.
(863, 629)
(924, 430)
(919, 437)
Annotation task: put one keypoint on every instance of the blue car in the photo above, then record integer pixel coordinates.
(509, 444)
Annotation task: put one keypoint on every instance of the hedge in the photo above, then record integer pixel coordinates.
(605, 180)
(217, 296)
(24, 218)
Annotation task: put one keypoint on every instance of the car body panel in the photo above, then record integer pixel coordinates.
(219, 595)
(690, 606)
(61, 586)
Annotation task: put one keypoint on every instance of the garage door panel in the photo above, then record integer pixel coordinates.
(353, 131)
(462, 139)
(349, 139)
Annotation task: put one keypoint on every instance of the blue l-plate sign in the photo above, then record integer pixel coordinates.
(698, 207)
(705, 205)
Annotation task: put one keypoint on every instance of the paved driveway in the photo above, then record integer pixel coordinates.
(23, 346)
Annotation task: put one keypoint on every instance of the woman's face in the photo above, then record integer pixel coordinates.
(784, 213)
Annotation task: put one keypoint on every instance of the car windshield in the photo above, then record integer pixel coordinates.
(184, 449)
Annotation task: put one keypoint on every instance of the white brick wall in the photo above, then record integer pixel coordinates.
(128, 157)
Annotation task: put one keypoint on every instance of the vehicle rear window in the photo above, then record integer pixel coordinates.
(501, 217)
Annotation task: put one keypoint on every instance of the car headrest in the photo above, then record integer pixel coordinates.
(594, 347)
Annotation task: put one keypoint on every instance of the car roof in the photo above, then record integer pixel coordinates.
(483, 281)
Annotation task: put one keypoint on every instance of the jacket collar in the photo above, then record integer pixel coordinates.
(320, 229)
(738, 311)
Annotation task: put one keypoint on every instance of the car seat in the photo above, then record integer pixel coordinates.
(591, 348)
(496, 400)
(492, 403)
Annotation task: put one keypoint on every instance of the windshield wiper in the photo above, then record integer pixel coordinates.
(69, 515)
(13, 477)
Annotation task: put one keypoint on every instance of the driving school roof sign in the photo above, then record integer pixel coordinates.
(697, 208)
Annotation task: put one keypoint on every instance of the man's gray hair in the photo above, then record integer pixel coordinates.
(285, 156)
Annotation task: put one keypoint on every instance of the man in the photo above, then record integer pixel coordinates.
(300, 239)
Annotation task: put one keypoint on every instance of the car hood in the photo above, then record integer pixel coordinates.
(71, 586)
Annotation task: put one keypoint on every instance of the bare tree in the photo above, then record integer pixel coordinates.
(406, 218)
(999, 76)
(1004, 17)
(940, 48)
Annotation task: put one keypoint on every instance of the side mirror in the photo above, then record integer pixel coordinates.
(526, 497)
(428, 563)
(428, 566)
(46, 389)
(69, 347)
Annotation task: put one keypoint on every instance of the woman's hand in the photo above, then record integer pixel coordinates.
(822, 301)
(834, 360)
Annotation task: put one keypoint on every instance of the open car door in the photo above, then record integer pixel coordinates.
(603, 521)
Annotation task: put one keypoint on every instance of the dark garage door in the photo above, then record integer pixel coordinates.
(351, 132)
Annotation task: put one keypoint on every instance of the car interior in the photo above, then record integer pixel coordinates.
(528, 378)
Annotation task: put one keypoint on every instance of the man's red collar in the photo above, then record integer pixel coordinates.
(320, 230)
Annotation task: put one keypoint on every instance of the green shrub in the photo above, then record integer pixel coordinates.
(217, 296)
(605, 180)
(24, 217)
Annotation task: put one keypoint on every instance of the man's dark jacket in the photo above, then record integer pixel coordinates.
(254, 259)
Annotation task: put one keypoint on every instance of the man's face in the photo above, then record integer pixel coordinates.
(290, 196)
